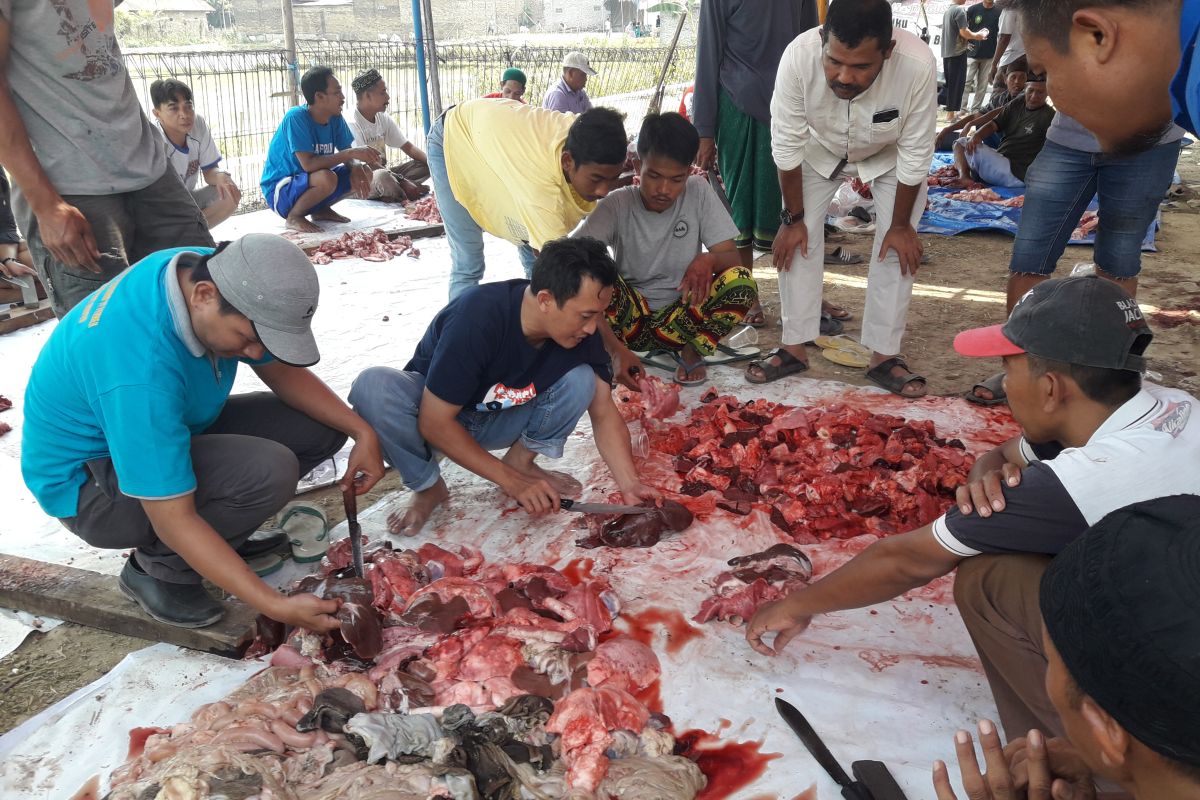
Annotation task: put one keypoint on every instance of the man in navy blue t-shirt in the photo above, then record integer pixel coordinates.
(311, 163)
(509, 365)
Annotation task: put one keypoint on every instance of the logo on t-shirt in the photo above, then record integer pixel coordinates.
(323, 149)
(500, 397)
(1174, 419)
(681, 229)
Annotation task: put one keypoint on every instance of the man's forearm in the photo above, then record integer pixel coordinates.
(301, 389)
(612, 439)
(791, 185)
(415, 153)
(17, 156)
(986, 131)
(312, 162)
(906, 198)
(1001, 46)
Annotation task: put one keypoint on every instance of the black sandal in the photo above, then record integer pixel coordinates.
(788, 365)
(881, 375)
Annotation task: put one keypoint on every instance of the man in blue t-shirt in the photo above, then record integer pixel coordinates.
(311, 161)
(131, 439)
(513, 365)
(1121, 69)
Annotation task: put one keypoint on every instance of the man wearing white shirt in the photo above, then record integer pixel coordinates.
(855, 97)
(1009, 44)
(372, 127)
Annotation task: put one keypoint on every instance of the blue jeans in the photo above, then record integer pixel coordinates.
(463, 232)
(1061, 183)
(390, 399)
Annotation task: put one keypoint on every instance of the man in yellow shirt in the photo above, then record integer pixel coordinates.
(522, 173)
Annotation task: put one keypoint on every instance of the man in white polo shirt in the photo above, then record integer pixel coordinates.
(1094, 440)
(853, 98)
(372, 127)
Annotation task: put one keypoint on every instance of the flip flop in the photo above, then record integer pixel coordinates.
(732, 355)
(755, 319)
(688, 369)
(881, 375)
(844, 351)
(995, 385)
(841, 314)
(307, 529)
(266, 564)
(843, 257)
(788, 365)
(660, 359)
(831, 326)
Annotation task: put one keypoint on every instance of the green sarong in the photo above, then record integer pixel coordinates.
(748, 170)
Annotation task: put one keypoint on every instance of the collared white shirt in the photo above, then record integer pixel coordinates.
(889, 126)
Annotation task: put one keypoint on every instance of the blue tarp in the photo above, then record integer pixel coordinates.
(946, 217)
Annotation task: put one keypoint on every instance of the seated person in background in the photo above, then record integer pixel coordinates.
(1014, 85)
(681, 286)
(512, 86)
(1119, 630)
(512, 364)
(1022, 126)
(372, 127)
(568, 94)
(311, 163)
(192, 152)
(132, 441)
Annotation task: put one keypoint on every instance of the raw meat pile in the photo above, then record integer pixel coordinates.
(863, 189)
(975, 196)
(659, 399)
(373, 246)
(451, 677)
(1087, 225)
(1014, 202)
(425, 210)
(819, 473)
(755, 579)
(947, 176)
(5, 405)
(636, 530)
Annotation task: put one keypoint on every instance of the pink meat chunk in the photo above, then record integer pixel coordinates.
(623, 663)
(585, 719)
(741, 603)
(494, 657)
(480, 600)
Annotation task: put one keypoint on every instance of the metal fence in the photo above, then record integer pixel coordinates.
(243, 94)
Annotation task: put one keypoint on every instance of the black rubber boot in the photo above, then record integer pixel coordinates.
(185, 605)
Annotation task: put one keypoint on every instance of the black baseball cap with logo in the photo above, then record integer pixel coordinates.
(1082, 320)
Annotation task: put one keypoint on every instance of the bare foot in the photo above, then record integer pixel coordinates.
(412, 519)
(692, 369)
(302, 225)
(835, 312)
(329, 215)
(413, 191)
(521, 458)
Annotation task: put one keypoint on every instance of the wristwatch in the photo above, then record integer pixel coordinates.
(787, 217)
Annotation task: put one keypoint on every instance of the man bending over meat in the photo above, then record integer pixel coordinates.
(681, 286)
(512, 364)
(524, 174)
(372, 127)
(855, 97)
(1022, 126)
(132, 441)
(310, 162)
(1094, 440)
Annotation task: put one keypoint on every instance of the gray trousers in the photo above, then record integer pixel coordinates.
(385, 181)
(128, 227)
(246, 463)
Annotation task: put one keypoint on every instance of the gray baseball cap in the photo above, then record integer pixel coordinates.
(271, 282)
(577, 60)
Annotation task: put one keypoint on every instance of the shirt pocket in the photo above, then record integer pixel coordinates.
(885, 128)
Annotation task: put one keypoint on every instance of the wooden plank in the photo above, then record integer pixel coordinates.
(18, 316)
(89, 598)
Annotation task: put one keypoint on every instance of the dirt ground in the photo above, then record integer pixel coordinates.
(961, 287)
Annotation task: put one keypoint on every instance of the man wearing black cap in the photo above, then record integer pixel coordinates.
(1094, 440)
(372, 127)
(1120, 639)
(132, 441)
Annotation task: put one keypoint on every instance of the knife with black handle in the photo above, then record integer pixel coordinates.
(851, 789)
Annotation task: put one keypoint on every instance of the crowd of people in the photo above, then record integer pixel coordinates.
(1075, 544)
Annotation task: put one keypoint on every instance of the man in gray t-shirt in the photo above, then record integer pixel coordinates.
(955, 35)
(681, 288)
(93, 190)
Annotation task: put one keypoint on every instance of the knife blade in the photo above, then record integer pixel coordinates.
(602, 508)
(715, 182)
(350, 502)
(851, 790)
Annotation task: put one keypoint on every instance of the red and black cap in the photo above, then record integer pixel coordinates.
(1082, 320)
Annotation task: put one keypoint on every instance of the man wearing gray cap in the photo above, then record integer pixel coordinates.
(132, 441)
(568, 95)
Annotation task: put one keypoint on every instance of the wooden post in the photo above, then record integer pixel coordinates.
(435, 83)
(289, 44)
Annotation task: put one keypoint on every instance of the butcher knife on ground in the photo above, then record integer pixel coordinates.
(851, 789)
(603, 508)
(350, 501)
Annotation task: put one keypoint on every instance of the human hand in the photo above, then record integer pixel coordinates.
(780, 618)
(706, 156)
(992, 75)
(365, 467)
(788, 240)
(973, 143)
(904, 240)
(360, 180)
(15, 269)
(369, 155)
(637, 492)
(999, 782)
(697, 280)
(226, 188)
(627, 368)
(535, 495)
(1065, 766)
(985, 494)
(307, 611)
(67, 234)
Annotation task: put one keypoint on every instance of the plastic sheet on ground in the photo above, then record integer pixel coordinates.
(364, 215)
(946, 217)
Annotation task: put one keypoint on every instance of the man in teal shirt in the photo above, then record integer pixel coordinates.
(132, 441)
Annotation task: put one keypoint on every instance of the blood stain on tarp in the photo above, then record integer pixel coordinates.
(643, 627)
(579, 570)
(808, 794)
(729, 766)
(651, 696)
(90, 790)
(137, 740)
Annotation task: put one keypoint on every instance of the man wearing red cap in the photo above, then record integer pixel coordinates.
(1094, 440)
